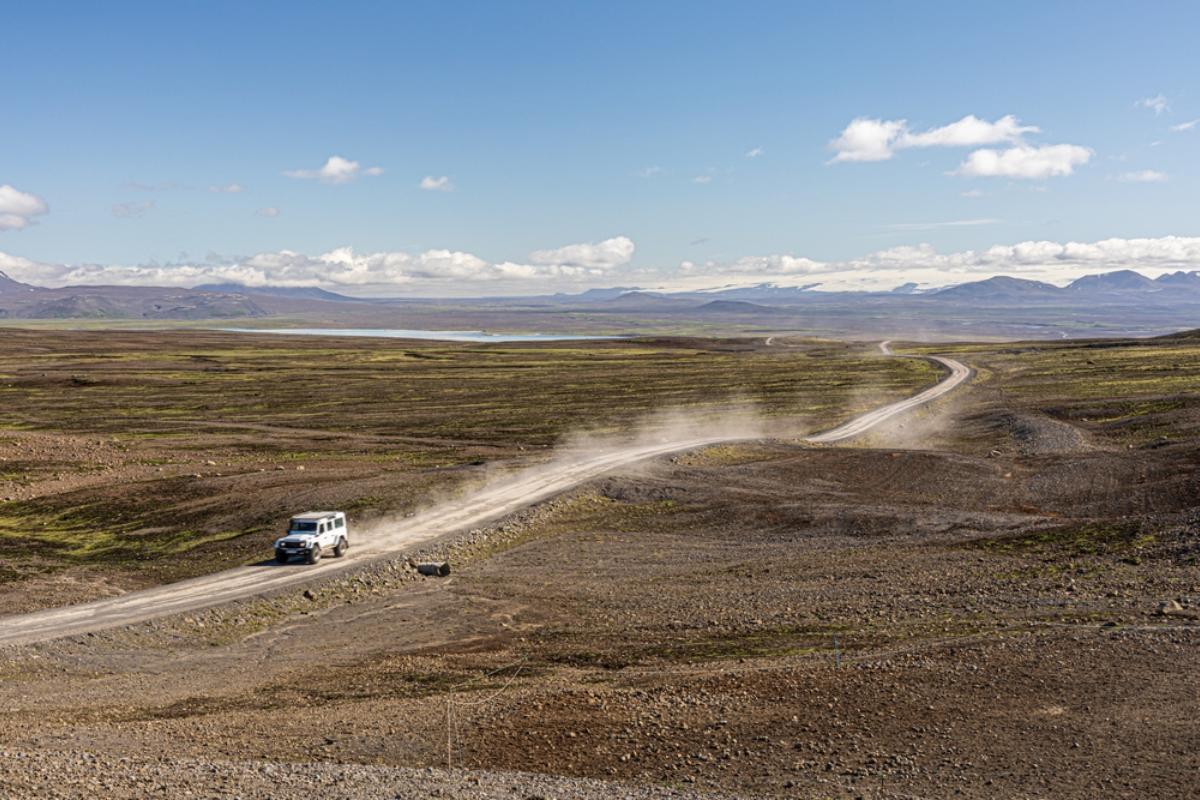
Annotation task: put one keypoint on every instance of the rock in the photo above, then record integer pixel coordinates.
(1169, 607)
(309, 594)
(1172, 608)
(435, 569)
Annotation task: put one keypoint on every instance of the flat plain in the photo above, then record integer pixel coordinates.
(995, 597)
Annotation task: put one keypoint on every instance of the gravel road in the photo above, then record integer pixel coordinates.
(487, 504)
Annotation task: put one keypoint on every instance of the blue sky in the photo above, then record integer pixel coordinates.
(648, 143)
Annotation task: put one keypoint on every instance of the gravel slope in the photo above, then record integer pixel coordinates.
(86, 776)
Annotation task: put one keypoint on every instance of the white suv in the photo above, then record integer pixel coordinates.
(313, 534)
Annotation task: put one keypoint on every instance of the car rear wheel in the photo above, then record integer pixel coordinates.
(339, 549)
(314, 554)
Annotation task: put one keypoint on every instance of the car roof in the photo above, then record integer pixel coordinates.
(316, 515)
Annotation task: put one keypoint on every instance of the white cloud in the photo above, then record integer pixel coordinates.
(132, 210)
(973, 193)
(269, 211)
(17, 208)
(442, 184)
(650, 172)
(930, 226)
(1025, 161)
(754, 152)
(441, 272)
(24, 269)
(866, 139)
(772, 265)
(1038, 260)
(1158, 104)
(702, 179)
(604, 255)
(1185, 126)
(1142, 176)
(970, 131)
(228, 188)
(335, 170)
(369, 273)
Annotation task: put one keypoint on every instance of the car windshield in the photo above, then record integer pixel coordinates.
(302, 526)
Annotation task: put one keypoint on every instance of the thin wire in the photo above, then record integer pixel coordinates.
(452, 702)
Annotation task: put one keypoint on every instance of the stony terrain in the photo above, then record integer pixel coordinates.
(83, 776)
(126, 457)
(998, 597)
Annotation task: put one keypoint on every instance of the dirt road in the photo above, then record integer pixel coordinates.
(489, 503)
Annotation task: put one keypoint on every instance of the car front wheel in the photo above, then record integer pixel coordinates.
(281, 556)
(314, 554)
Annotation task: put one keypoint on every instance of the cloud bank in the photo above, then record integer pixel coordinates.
(609, 262)
(1039, 260)
(371, 273)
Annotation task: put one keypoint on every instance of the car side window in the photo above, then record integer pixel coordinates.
(341, 523)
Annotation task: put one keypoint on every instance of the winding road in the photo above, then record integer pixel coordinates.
(485, 505)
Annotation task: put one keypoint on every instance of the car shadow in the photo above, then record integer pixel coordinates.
(291, 562)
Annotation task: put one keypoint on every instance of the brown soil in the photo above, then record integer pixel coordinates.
(1015, 613)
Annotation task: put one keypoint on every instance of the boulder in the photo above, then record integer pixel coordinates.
(435, 569)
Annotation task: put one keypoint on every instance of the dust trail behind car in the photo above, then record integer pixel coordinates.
(582, 459)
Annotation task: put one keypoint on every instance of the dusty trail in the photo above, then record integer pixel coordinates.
(487, 504)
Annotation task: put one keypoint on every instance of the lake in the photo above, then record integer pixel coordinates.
(445, 336)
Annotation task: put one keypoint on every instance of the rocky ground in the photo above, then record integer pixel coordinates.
(1011, 610)
(83, 776)
(126, 458)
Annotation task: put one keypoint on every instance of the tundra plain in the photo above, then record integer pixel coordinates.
(997, 596)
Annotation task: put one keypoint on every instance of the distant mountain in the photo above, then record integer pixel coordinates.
(1123, 280)
(907, 288)
(21, 301)
(735, 307)
(999, 288)
(640, 301)
(1189, 281)
(9, 287)
(598, 294)
(293, 292)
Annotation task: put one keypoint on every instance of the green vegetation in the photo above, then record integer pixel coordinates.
(1071, 540)
(126, 449)
(1132, 392)
(171, 382)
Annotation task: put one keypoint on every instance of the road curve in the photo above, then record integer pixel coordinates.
(487, 504)
(959, 372)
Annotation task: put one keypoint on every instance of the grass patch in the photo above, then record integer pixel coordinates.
(87, 534)
(1093, 538)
